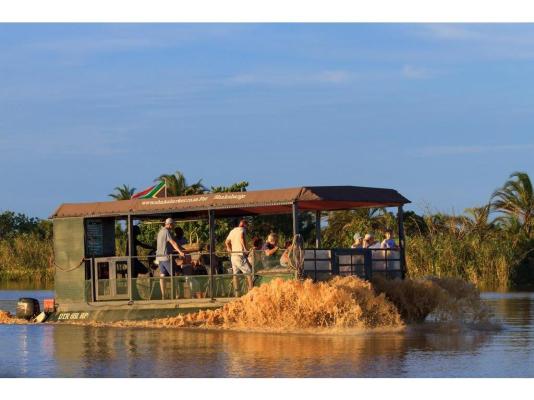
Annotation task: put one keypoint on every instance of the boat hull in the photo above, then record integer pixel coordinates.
(130, 312)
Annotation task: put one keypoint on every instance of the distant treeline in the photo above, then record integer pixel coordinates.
(491, 245)
(25, 248)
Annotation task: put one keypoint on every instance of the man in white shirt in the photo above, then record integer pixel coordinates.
(236, 246)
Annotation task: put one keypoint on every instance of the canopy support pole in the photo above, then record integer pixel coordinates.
(295, 214)
(129, 229)
(402, 241)
(318, 229)
(211, 222)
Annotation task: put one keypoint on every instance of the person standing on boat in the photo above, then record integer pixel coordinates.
(235, 244)
(165, 246)
(388, 242)
(358, 242)
(369, 242)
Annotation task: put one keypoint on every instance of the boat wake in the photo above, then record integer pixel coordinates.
(340, 304)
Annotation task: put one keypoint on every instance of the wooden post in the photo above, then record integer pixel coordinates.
(295, 213)
(129, 229)
(211, 222)
(402, 241)
(317, 229)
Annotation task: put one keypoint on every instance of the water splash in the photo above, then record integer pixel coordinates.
(445, 300)
(7, 318)
(299, 305)
(338, 304)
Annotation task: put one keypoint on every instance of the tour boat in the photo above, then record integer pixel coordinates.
(94, 283)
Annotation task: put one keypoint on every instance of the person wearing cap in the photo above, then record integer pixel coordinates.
(165, 246)
(358, 242)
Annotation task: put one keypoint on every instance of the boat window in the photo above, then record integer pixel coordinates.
(103, 270)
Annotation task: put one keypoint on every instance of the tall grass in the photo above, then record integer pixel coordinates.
(453, 247)
(26, 257)
(488, 256)
(439, 245)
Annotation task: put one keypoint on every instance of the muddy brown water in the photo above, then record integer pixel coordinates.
(424, 350)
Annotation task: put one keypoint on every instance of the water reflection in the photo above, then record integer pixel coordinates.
(85, 351)
(194, 353)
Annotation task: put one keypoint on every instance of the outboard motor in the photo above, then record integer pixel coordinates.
(28, 308)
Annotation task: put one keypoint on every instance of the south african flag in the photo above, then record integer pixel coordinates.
(153, 191)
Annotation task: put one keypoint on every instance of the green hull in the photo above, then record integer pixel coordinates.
(124, 310)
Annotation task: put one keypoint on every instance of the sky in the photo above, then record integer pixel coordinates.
(442, 113)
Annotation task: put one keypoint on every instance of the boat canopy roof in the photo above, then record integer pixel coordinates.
(259, 202)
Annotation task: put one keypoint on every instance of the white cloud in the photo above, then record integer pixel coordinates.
(75, 48)
(412, 72)
(515, 35)
(453, 32)
(432, 151)
(337, 76)
(481, 41)
(86, 141)
(292, 78)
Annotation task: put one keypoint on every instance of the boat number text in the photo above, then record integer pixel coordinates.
(74, 315)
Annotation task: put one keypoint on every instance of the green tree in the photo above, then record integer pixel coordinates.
(123, 192)
(515, 200)
(235, 187)
(342, 225)
(177, 185)
(13, 224)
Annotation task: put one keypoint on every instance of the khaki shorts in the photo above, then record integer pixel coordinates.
(240, 263)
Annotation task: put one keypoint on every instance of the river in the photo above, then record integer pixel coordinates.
(419, 351)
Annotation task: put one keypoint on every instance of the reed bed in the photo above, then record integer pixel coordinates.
(487, 261)
(26, 257)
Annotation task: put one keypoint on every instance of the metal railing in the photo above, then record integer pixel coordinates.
(192, 277)
(321, 264)
(137, 278)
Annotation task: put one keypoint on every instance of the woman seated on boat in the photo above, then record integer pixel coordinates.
(270, 258)
(284, 259)
(254, 255)
(180, 261)
(200, 266)
(389, 242)
(179, 236)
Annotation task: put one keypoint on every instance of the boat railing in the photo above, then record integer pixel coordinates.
(321, 264)
(191, 277)
(197, 276)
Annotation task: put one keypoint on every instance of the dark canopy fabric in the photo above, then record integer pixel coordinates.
(311, 198)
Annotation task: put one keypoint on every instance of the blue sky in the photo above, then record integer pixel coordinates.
(442, 113)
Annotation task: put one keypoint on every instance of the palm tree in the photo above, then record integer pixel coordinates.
(123, 192)
(177, 185)
(477, 220)
(516, 200)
